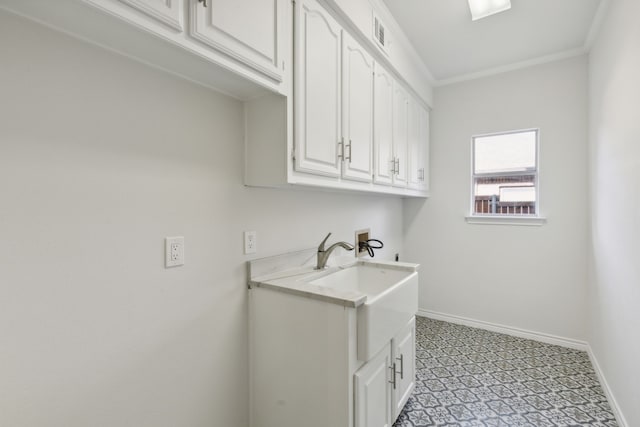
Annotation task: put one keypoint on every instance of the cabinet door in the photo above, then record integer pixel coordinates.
(249, 31)
(169, 12)
(416, 144)
(383, 127)
(400, 134)
(319, 145)
(373, 391)
(424, 139)
(357, 104)
(404, 345)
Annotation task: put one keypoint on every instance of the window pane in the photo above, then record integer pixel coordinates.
(506, 195)
(518, 194)
(512, 152)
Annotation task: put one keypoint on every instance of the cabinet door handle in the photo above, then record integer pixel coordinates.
(341, 149)
(397, 165)
(393, 373)
(401, 359)
(393, 166)
(204, 2)
(349, 158)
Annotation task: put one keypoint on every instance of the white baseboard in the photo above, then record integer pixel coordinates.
(622, 422)
(507, 330)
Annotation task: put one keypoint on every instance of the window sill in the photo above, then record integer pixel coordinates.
(506, 220)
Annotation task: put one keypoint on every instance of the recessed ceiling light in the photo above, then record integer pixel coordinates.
(483, 8)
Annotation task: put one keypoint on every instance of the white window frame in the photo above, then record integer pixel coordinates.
(506, 219)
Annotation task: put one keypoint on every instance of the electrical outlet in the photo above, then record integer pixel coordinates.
(250, 242)
(173, 251)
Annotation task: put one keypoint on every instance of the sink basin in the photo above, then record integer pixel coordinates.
(369, 280)
(391, 301)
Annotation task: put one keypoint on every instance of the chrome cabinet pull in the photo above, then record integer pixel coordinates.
(349, 158)
(397, 165)
(393, 372)
(393, 166)
(401, 359)
(341, 149)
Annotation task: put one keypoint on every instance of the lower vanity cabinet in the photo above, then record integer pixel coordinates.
(305, 370)
(373, 391)
(403, 348)
(385, 383)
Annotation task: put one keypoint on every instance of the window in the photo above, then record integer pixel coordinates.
(505, 174)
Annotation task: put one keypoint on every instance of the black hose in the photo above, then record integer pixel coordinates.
(369, 247)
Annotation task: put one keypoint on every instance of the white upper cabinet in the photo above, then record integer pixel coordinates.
(357, 105)
(383, 131)
(400, 135)
(425, 132)
(349, 126)
(413, 137)
(319, 142)
(169, 12)
(418, 146)
(320, 110)
(334, 98)
(250, 31)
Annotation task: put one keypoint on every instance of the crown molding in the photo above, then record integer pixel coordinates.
(512, 67)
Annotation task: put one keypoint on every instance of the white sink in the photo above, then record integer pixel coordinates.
(391, 300)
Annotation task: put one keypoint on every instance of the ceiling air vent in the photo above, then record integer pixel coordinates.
(380, 33)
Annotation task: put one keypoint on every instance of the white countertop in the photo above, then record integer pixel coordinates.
(291, 273)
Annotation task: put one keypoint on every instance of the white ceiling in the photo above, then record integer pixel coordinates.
(455, 48)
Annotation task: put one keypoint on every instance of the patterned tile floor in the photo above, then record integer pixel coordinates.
(470, 377)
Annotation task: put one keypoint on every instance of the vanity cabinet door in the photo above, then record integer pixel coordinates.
(383, 130)
(403, 346)
(357, 105)
(373, 391)
(318, 100)
(169, 12)
(250, 31)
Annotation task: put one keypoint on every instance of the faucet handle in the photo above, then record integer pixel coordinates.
(321, 247)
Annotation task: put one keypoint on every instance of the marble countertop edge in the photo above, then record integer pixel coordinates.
(295, 281)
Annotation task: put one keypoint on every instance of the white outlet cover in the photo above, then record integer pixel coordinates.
(173, 251)
(250, 242)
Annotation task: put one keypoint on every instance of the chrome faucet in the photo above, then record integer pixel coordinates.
(323, 255)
